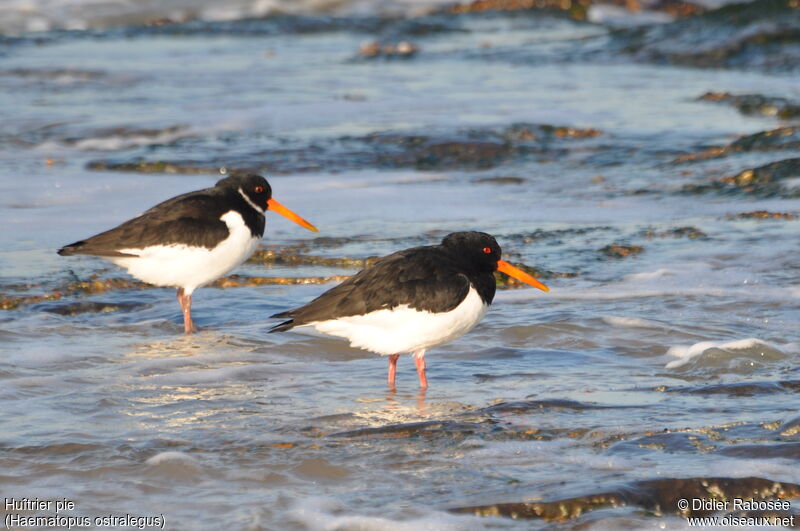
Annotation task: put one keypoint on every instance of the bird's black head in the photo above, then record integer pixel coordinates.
(253, 186)
(258, 192)
(480, 252)
(478, 249)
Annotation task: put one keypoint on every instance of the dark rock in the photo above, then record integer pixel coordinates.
(499, 180)
(759, 35)
(282, 257)
(790, 428)
(767, 174)
(741, 388)
(527, 406)
(680, 232)
(787, 137)
(77, 308)
(756, 104)
(156, 166)
(411, 429)
(240, 281)
(471, 149)
(10, 302)
(660, 496)
(576, 9)
(618, 250)
(763, 214)
(762, 181)
(789, 450)
(781, 138)
(374, 49)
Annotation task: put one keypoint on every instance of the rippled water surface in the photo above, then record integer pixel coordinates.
(667, 347)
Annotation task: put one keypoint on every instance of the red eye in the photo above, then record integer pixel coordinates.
(258, 189)
(487, 250)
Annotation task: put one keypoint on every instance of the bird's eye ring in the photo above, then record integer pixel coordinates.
(258, 189)
(487, 250)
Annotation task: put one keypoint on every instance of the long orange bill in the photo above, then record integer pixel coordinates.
(520, 275)
(288, 214)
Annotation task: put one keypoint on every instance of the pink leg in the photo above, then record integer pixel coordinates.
(186, 305)
(419, 361)
(392, 369)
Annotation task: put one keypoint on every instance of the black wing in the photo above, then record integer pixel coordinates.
(190, 219)
(424, 278)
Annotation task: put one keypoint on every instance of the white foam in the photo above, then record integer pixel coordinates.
(752, 346)
(117, 142)
(618, 16)
(202, 376)
(171, 457)
(629, 322)
(779, 469)
(649, 275)
(43, 15)
(327, 514)
(541, 453)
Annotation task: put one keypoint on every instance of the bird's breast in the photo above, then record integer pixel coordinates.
(404, 329)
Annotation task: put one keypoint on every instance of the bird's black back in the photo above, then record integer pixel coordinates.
(191, 219)
(429, 278)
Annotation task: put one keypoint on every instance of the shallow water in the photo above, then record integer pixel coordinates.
(676, 361)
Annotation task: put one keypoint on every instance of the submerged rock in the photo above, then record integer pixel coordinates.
(787, 137)
(756, 104)
(576, 9)
(762, 181)
(155, 166)
(401, 50)
(238, 281)
(427, 428)
(97, 285)
(764, 175)
(528, 406)
(788, 450)
(292, 258)
(659, 496)
(781, 138)
(618, 250)
(740, 388)
(77, 308)
(10, 302)
(763, 214)
(750, 35)
(790, 428)
(500, 180)
(681, 232)
(477, 148)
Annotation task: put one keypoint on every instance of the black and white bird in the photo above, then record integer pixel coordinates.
(192, 239)
(411, 300)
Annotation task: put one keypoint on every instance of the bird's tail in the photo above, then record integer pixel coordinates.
(86, 247)
(284, 326)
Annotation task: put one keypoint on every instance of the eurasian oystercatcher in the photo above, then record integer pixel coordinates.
(411, 300)
(192, 239)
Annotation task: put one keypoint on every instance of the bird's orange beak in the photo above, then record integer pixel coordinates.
(519, 274)
(288, 214)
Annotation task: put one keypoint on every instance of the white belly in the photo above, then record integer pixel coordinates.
(403, 329)
(188, 267)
